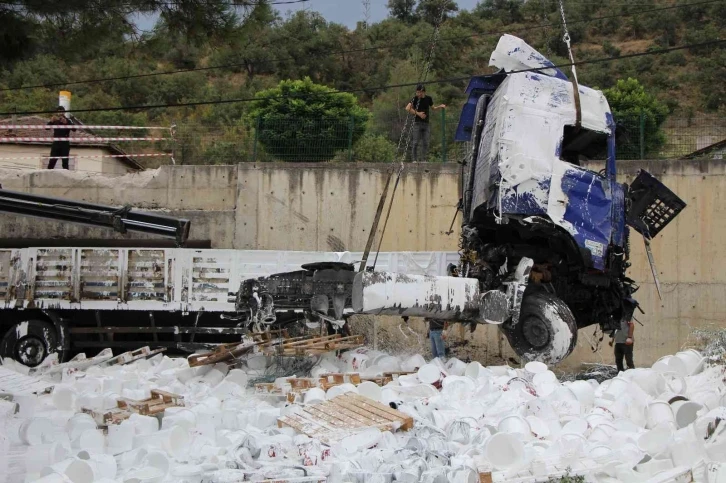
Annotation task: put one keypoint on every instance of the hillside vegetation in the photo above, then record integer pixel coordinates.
(258, 48)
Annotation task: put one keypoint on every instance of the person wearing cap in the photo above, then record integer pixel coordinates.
(419, 107)
(60, 149)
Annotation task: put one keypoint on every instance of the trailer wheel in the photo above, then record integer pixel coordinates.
(546, 331)
(29, 342)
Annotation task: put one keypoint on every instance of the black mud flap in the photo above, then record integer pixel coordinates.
(652, 205)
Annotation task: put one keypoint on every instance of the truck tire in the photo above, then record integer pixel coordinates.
(546, 331)
(29, 342)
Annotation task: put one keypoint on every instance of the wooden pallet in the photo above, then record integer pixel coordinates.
(221, 353)
(332, 420)
(337, 378)
(157, 403)
(310, 346)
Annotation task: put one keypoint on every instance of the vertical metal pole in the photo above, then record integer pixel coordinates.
(254, 143)
(642, 135)
(443, 135)
(351, 125)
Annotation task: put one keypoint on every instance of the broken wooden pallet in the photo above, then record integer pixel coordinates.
(157, 403)
(221, 353)
(269, 336)
(131, 356)
(332, 420)
(309, 346)
(337, 378)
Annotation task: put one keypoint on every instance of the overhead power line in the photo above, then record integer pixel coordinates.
(357, 50)
(376, 88)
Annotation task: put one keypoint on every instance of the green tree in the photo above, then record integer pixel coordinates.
(302, 121)
(403, 10)
(635, 109)
(433, 11)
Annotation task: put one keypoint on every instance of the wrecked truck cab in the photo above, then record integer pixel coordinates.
(528, 195)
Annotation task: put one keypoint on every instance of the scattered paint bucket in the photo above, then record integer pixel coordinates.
(505, 451)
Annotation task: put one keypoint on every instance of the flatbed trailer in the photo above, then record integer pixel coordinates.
(81, 298)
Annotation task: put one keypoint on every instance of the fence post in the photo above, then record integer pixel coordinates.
(642, 135)
(351, 126)
(443, 135)
(254, 143)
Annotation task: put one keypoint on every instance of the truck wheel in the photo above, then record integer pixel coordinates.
(546, 331)
(29, 342)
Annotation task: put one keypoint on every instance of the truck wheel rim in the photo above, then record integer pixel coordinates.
(30, 350)
(535, 332)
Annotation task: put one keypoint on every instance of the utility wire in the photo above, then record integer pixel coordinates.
(358, 50)
(376, 88)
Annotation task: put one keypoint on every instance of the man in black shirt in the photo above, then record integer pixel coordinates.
(60, 149)
(419, 107)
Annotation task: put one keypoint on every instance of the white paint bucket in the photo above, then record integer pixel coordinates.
(659, 412)
(514, 424)
(693, 361)
(64, 398)
(463, 475)
(144, 424)
(618, 385)
(120, 437)
(455, 367)
(104, 465)
(602, 433)
(654, 466)
(505, 451)
(91, 440)
(475, 371)
(369, 389)
(39, 456)
(354, 361)
(575, 426)
(213, 377)
(341, 389)
(36, 431)
(686, 412)
(314, 395)
(457, 387)
(534, 367)
(237, 376)
(389, 364)
(687, 453)
(179, 416)
(584, 393)
(540, 429)
(412, 363)
(146, 474)
(429, 374)
(656, 440)
(76, 470)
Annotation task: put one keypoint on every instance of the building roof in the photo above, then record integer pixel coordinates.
(79, 133)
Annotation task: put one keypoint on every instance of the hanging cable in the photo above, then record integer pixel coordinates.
(575, 84)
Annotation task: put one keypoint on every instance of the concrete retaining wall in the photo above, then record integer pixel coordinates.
(331, 207)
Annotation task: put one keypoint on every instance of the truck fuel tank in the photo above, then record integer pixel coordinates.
(444, 298)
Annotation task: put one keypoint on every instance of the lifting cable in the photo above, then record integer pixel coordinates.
(575, 84)
(406, 133)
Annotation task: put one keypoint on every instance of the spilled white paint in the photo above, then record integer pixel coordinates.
(21, 330)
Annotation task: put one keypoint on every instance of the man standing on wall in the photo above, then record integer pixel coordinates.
(419, 107)
(623, 340)
(60, 149)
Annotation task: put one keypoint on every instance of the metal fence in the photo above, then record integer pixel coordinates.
(377, 140)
